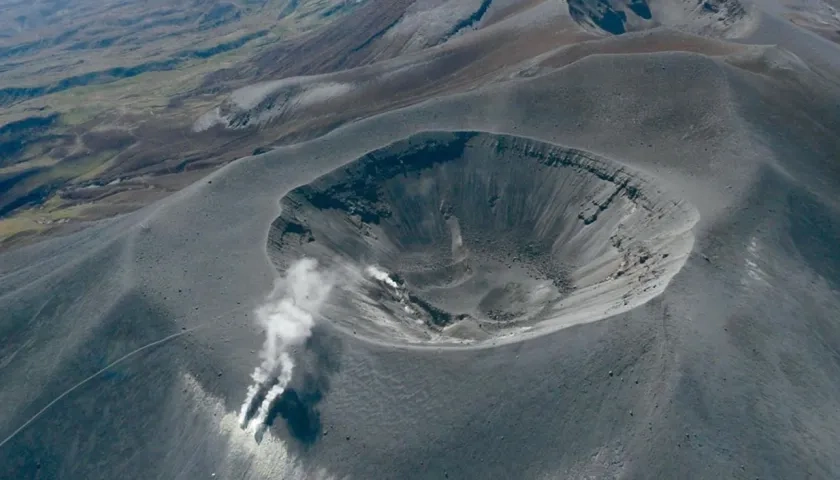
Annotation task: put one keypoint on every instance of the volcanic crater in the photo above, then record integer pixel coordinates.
(473, 238)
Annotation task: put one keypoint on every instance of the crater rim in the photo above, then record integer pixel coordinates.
(439, 154)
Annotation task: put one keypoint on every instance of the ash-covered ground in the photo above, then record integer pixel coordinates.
(253, 325)
(472, 238)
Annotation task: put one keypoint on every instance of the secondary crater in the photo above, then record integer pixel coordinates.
(475, 238)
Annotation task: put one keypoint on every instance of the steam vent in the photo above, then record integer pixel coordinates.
(477, 238)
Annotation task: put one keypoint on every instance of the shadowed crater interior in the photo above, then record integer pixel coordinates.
(473, 237)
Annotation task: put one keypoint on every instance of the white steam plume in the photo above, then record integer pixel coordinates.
(287, 316)
(381, 275)
(384, 277)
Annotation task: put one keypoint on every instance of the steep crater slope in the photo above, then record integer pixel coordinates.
(473, 237)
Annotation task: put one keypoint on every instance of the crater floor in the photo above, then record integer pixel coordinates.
(475, 238)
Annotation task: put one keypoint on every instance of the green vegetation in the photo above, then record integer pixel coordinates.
(118, 67)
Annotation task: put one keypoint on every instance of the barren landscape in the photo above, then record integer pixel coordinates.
(420, 239)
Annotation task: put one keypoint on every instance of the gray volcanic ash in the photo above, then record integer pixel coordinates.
(486, 236)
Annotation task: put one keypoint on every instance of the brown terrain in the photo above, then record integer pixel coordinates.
(109, 106)
(399, 239)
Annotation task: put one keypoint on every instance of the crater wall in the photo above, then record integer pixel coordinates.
(470, 238)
